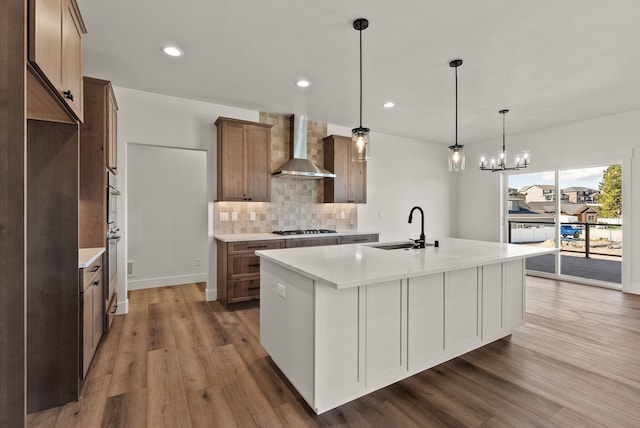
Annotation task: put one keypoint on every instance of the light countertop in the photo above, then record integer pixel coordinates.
(347, 266)
(86, 256)
(268, 236)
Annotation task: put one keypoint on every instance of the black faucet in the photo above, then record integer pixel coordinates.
(419, 242)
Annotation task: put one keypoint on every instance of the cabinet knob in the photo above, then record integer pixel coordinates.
(68, 95)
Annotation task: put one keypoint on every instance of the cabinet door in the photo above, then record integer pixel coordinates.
(98, 310)
(87, 329)
(112, 132)
(342, 160)
(258, 163)
(231, 156)
(358, 182)
(45, 38)
(71, 88)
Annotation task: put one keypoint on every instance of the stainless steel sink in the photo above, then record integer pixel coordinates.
(399, 246)
(396, 246)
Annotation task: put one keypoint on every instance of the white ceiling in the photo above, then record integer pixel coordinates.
(549, 61)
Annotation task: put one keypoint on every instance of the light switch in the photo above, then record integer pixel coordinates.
(343, 215)
(252, 216)
(281, 290)
(234, 216)
(224, 216)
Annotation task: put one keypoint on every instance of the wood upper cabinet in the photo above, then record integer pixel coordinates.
(350, 183)
(112, 131)
(55, 48)
(244, 160)
(97, 145)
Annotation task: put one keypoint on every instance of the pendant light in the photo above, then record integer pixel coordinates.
(499, 162)
(456, 152)
(360, 147)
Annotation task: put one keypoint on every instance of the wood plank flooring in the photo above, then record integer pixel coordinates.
(178, 361)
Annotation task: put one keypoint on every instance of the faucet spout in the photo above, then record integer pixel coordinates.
(420, 242)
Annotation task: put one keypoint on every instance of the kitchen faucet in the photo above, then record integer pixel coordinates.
(419, 242)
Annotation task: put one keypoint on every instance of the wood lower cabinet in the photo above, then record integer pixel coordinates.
(56, 30)
(244, 160)
(92, 298)
(359, 239)
(239, 270)
(312, 242)
(238, 279)
(350, 183)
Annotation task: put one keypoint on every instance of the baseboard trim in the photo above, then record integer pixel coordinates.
(211, 295)
(142, 284)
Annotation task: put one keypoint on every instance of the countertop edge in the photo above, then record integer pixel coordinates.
(267, 255)
(86, 256)
(273, 236)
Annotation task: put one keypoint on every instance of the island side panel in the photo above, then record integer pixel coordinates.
(286, 324)
(339, 358)
(461, 311)
(514, 280)
(425, 295)
(386, 327)
(493, 313)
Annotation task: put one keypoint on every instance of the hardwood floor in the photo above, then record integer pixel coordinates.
(178, 361)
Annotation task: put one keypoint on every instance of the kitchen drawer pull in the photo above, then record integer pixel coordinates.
(95, 268)
(115, 308)
(253, 288)
(68, 95)
(257, 246)
(254, 265)
(360, 240)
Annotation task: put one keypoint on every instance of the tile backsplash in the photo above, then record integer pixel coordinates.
(296, 203)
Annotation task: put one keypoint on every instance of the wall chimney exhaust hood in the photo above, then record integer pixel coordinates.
(299, 166)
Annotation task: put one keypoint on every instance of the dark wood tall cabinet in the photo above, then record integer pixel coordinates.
(350, 183)
(244, 160)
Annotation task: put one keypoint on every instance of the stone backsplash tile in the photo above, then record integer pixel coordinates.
(295, 203)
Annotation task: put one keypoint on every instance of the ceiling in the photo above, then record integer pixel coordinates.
(549, 61)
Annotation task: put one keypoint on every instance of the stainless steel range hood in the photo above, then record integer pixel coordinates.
(299, 166)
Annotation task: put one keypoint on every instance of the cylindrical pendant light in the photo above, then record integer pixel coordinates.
(360, 145)
(456, 151)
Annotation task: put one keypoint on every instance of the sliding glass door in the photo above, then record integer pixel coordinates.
(575, 210)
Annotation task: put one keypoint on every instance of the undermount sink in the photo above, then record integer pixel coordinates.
(396, 246)
(399, 246)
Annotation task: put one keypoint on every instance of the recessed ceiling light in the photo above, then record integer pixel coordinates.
(303, 83)
(388, 104)
(172, 51)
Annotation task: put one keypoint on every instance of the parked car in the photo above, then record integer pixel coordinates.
(566, 231)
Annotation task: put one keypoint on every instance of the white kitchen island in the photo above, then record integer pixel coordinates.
(343, 321)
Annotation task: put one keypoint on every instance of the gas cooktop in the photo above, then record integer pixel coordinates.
(303, 231)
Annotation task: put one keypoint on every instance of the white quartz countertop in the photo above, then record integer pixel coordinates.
(347, 266)
(267, 236)
(86, 256)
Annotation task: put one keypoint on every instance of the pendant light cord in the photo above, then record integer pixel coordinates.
(360, 31)
(503, 144)
(456, 141)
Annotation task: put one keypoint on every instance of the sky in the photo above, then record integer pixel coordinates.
(582, 177)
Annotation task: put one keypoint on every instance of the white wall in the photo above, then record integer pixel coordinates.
(595, 142)
(159, 120)
(167, 220)
(401, 174)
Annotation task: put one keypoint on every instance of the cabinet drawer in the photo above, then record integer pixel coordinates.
(236, 247)
(312, 242)
(90, 272)
(244, 289)
(244, 264)
(358, 239)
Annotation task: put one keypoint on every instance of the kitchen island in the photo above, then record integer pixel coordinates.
(341, 322)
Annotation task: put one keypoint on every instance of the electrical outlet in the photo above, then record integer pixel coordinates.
(224, 216)
(343, 215)
(380, 215)
(197, 261)
(281, 290)
(252, 216)
(234, 216)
